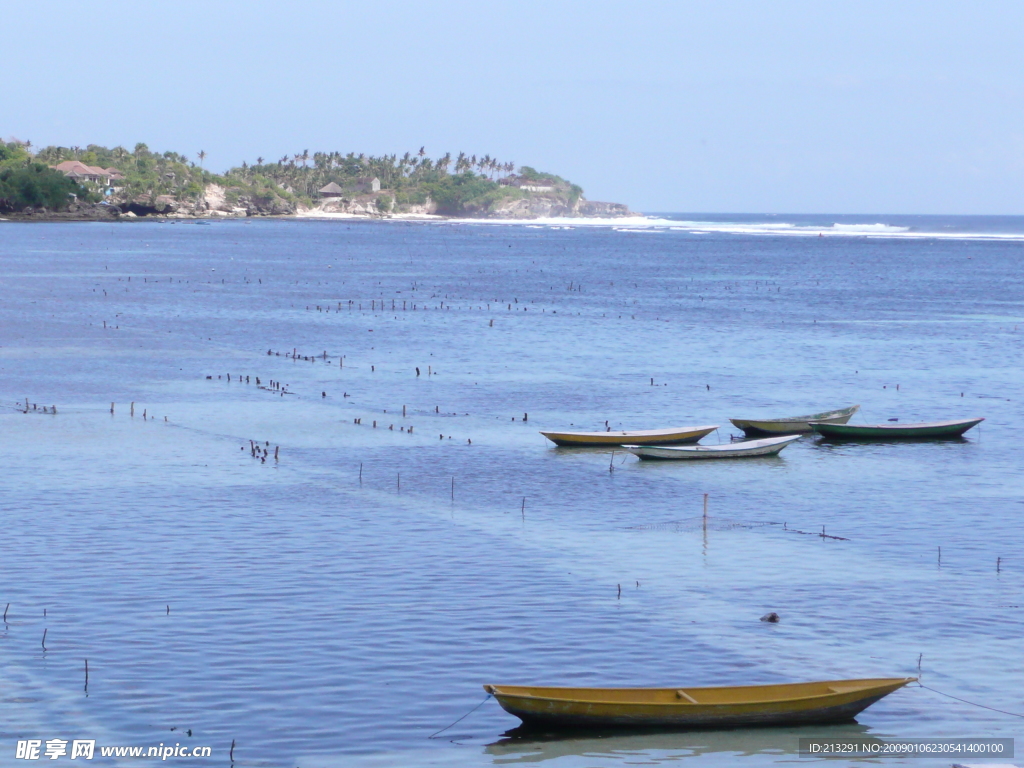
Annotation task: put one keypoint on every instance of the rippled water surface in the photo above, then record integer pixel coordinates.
(337, 606)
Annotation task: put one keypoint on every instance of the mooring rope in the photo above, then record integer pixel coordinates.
(965, 701)
(474, 709)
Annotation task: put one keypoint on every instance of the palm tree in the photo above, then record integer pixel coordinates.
(202, 156)
(259, 161)
(422, 152)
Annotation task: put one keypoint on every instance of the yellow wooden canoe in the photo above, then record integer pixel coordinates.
(634, 437)
(828, 701)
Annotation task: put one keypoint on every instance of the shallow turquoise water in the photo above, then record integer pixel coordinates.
(339, 606)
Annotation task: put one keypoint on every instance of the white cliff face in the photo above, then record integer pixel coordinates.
(543, 207)
(218, 201)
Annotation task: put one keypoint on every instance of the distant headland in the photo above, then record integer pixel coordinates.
(98, 183)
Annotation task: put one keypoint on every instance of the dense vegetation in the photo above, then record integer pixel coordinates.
(460, 185)
(26, 183)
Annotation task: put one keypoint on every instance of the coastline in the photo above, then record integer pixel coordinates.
(634, 219)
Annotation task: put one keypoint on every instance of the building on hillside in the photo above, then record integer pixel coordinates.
(524, 184)
(331, 190)
(80, 172)
(367, 184)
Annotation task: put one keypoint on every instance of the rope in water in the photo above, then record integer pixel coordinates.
(474, 709)
(965, 701)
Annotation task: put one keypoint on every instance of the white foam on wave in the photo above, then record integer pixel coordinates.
(569, 223)
(866, 230)
(748, 228)
(870, 228)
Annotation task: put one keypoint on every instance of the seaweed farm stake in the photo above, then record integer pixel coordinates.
(86, 675)
(43, 643)
(523, 509)
(360, 473)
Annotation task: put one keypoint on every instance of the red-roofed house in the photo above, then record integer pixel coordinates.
(79, 171)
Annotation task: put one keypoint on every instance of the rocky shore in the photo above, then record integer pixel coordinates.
(220, 202)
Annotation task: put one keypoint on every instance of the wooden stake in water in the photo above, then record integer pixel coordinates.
(360, 473)
(86, 675)
(453, 487)
(523, 508)
(43, 643)
(398, 483)
(611, 463)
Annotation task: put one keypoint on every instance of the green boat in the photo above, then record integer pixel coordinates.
(932, 430)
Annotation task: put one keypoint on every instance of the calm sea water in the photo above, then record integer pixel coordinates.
(338, 606)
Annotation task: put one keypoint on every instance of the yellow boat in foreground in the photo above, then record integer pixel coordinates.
(635, 437)
(829, 701)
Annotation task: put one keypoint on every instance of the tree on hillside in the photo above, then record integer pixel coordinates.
(37, 186)
(202, 156)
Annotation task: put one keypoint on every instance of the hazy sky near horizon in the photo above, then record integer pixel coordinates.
(840, 107)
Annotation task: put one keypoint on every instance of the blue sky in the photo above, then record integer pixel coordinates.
(840, 107)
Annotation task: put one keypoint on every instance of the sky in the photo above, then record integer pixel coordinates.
(717, 106)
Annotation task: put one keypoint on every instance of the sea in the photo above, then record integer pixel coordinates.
(278, 487)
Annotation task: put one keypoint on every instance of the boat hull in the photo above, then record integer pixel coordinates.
(794, 425)
(550, 711)
(767, 447)
(941, 430)
(674, 436)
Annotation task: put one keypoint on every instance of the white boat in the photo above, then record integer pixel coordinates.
(768, 446)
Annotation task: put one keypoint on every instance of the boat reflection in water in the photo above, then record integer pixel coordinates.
(537, 745)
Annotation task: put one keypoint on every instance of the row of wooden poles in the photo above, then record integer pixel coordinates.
(131, 411)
